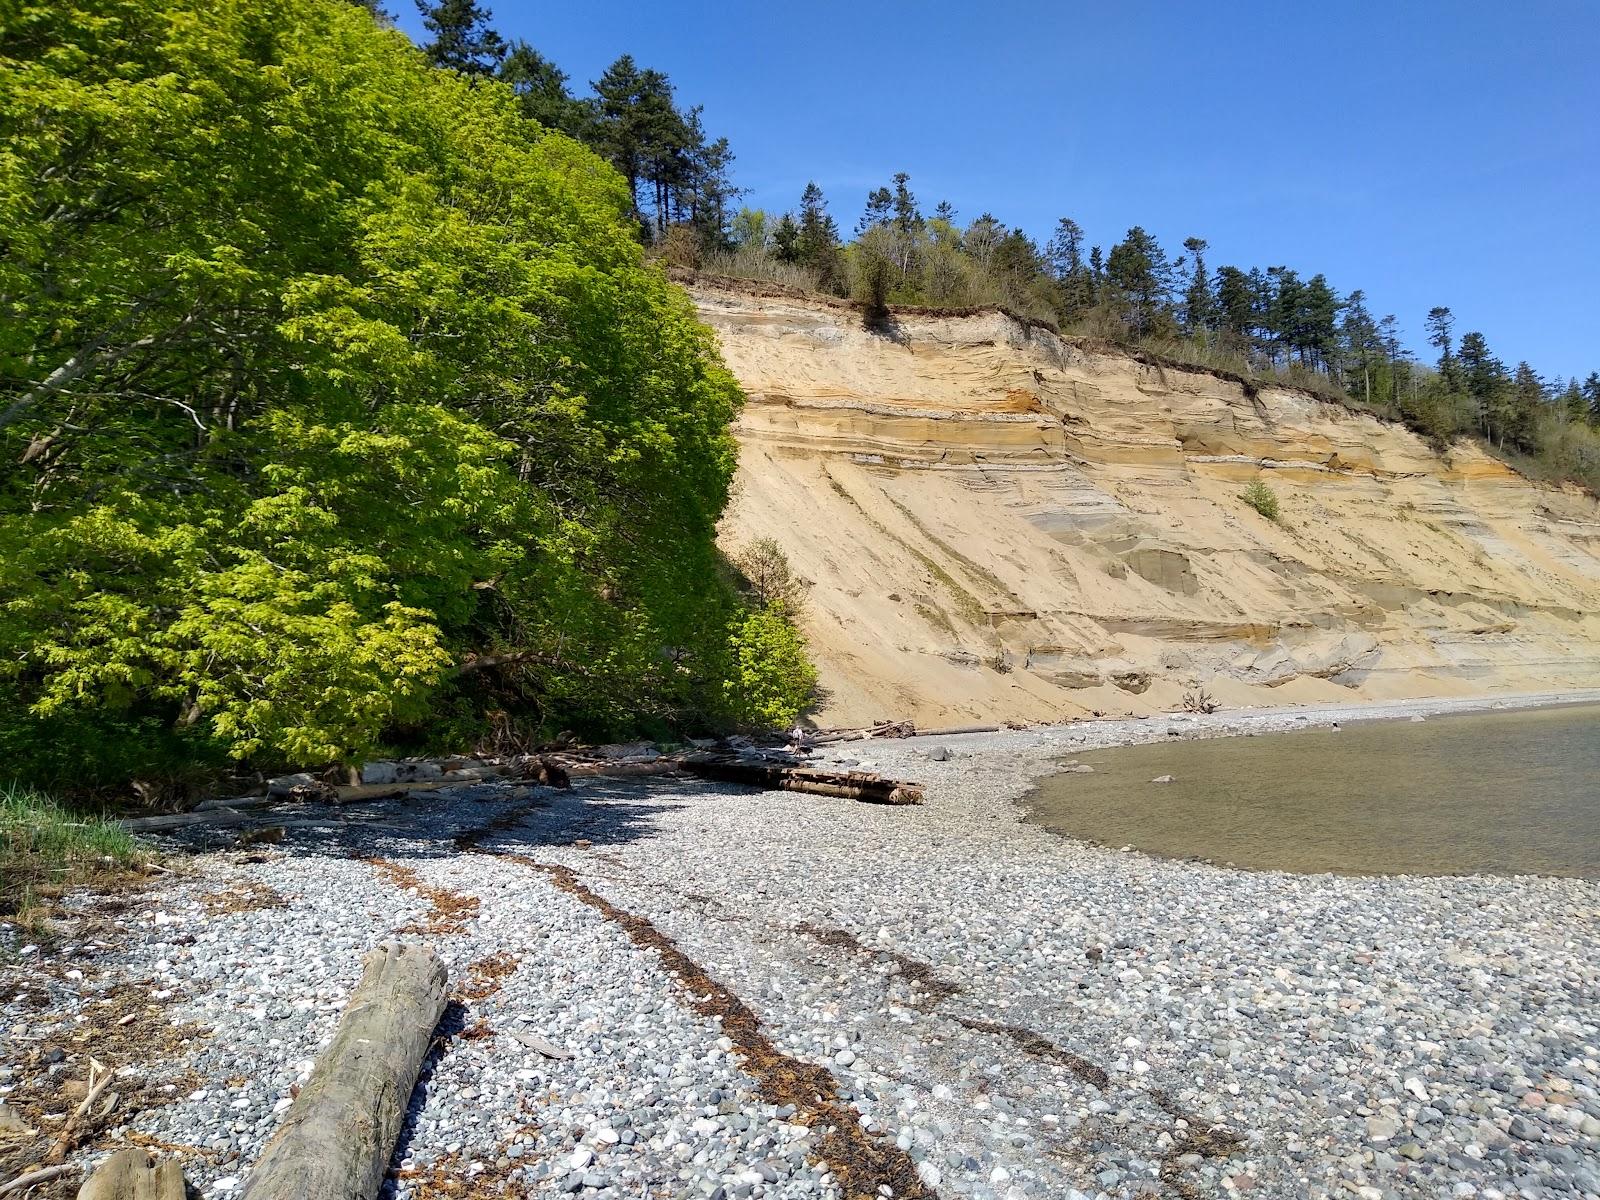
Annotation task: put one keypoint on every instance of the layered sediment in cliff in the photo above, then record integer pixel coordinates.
(997, 523)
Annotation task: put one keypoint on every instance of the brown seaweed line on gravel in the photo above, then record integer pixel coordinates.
(451, 910)
(859, 1161)
(933, 987)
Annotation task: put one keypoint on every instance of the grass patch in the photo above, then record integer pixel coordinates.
(45, 847)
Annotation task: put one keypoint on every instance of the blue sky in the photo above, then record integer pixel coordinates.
(1427, 151)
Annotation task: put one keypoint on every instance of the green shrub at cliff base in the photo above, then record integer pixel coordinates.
(770, 681)
(334, 394)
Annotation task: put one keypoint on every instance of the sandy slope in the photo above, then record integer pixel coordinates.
(995, 523)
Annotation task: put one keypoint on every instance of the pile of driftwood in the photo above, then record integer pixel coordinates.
(733, 761)
(884, 729)
(778, 776)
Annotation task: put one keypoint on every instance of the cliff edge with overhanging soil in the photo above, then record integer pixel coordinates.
(997, 523)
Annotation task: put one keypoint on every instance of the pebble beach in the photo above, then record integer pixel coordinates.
(1001, 1012)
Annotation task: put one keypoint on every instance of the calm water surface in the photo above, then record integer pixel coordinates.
(1501, 792)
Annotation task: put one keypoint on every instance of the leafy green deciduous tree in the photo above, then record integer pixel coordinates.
(334, 396)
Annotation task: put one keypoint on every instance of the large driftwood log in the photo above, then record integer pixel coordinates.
(851, 785)
(130, 1175)
(337, 1137)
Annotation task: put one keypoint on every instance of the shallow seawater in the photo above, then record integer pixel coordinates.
(1504, 793)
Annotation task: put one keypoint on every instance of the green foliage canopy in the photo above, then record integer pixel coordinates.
(333, 392)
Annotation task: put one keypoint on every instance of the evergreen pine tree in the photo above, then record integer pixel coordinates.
(1317, 324)
(907, 217)
(1528, 399)
(879, 210)
(1199, 305)
(1139, 272)
(618, 93)
(1569, 401)
(1591, 396)
(1441, 321)
(542, 88)
(1064, 253)
(786, 240)
(817, 243)
(1284, 311)
(1402, 380)
(462, 37)
(1363, 350)
(1236, 304)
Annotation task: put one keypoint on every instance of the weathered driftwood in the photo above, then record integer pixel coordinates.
(851, 785)
(888, 729)
(337, 1137)
(235, 811)
(29, 1178)
(237, 802)
(84, 1116)
(534, 1042)
(622, 770)
(130, 1175)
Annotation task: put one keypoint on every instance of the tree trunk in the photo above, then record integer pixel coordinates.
(130, 1175)
(336, 1139)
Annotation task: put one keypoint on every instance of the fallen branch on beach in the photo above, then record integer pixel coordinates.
(887, 729)
(29, 1178)
(66, 1142)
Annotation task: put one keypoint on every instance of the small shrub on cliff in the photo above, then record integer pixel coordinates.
(1261, 498)
(768, 576)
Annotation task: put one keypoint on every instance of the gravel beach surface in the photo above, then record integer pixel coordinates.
(1009, 1013)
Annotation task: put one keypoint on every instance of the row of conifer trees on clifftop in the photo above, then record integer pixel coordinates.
(1262, 320)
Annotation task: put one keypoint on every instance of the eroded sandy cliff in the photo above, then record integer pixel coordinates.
(996, 524)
